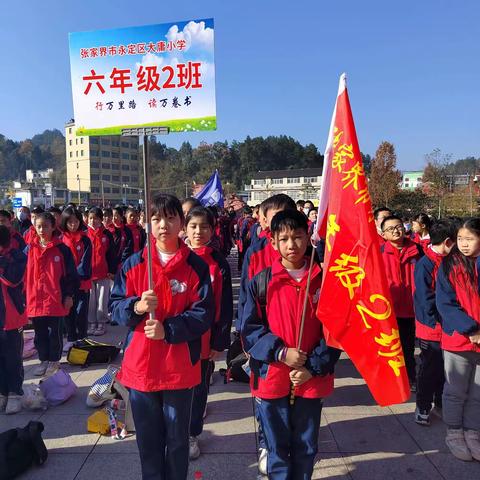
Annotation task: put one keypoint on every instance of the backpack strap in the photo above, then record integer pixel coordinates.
(263, 279)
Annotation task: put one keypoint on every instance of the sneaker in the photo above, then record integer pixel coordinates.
(14, 404)
(67, 347)
(99, 331)
(91, 329)
(472, 439)
(52, 368)
(3, 402)
(422, 417)
(262, 461)
(194, 449)
(455, 441)
(39, 370)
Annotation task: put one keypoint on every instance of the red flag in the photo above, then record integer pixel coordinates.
(355, 303)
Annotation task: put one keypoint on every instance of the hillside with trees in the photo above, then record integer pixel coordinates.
(175, 169)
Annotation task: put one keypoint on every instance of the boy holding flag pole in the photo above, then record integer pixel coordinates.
(292, 367)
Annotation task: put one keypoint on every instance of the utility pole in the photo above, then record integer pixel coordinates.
(103, 194)
(78, 180)
(471, 194)
(186, 189)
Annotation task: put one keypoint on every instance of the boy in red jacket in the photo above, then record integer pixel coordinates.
(161, 364)
(270, 336)
(51, 281)
(104, 266)
(12, 320)
(400, 255)
(430, 378)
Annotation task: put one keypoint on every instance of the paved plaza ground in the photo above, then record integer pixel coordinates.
(358, 440)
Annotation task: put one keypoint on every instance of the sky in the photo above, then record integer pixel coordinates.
(413, 68)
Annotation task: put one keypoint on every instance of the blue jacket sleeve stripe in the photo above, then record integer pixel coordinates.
(257, 338)
(424, 298)
(120, 306)
(244, 280)
(84, 268)
(70, 281)
(111, 254)
(220, 339)
(128, 250)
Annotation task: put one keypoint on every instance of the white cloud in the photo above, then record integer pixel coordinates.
(194, 34)
(150, 59)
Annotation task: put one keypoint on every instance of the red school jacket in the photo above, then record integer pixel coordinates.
(103, 253)
(50, 277)
(81, 248)
(264, 338)
(424, 242)
(186, 308)
(399, 267)
(29, 235)
(459, 306)
(12, 299)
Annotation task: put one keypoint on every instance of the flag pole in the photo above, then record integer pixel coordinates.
(304, 314)
(144, 132)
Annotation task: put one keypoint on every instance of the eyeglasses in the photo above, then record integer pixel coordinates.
(396, 227)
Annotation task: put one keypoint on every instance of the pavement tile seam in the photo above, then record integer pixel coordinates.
(419, 446)
(87, 457)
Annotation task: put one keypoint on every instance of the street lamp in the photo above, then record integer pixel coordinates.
(125, 186)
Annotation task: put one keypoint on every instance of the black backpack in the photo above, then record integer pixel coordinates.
(236, 358)
(87, 352)
(20, 448)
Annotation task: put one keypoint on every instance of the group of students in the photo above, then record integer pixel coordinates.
(178, 327)
(56, 271)
(432, 272)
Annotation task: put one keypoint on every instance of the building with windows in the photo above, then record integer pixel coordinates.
(298, 184)
(106, 166)
(411, 180)
(40, 176)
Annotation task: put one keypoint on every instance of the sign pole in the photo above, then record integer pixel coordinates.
(145, 132)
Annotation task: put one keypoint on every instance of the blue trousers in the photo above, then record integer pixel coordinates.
(48, 337)
(291, 436)
(431, 376)
(200, 394)
(11, 362)
(77, 320)
(162, 423)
